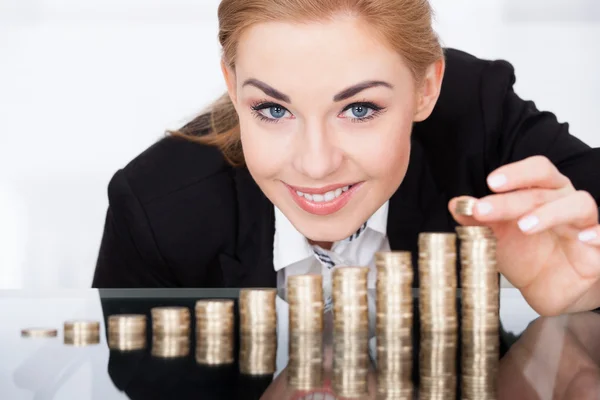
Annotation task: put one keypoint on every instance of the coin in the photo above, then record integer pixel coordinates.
(214, 316)
(39, 332)
(257, 310)
(305, 298)
(258, 350)
(350, 364)
(305, 363)
(394, 298)
(127, 323)
(170, 320)
(127, 342)
(214, 348)
(350, 299)
(465, 206)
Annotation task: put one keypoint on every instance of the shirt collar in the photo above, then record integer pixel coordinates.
(290, 246)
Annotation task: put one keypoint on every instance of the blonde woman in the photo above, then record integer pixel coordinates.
(347, 130)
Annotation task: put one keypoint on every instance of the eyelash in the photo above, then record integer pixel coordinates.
(265, 104)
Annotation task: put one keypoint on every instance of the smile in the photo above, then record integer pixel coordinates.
(326, 200)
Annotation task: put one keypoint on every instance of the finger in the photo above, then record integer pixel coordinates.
(513, 205)
(577, 210)
(535, 171)
(590, 236)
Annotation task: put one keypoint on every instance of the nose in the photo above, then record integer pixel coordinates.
(318, 155)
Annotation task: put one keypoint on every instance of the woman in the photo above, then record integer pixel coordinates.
(347, 130)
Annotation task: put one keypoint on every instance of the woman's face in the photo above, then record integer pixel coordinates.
(326, 112)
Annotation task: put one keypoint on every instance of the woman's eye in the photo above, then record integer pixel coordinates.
(271, 112)
(360, 111)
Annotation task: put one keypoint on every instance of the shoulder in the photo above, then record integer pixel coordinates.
(172, 165)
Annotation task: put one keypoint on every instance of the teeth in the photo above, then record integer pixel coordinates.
(308, 196)
(338, 191)
(299, 193)
(345, 188)
(320, 198)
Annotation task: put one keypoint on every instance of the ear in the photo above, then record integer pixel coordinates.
(429, 90)
(230, 81)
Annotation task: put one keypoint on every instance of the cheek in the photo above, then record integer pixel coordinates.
(262, 151)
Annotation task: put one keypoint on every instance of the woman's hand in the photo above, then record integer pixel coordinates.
(548, 235)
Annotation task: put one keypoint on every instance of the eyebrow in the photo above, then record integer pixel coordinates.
(343, 95)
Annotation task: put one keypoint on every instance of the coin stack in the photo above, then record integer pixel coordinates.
(350, 300)
(480, 312)
(465, 206)
(437, 365)
(394, 292)
(350, 364)
(127, 332)
(170, 332)
(81, 333)
(437, 282)
(394, 366)
(214, 332)
(257, 310)
(39, 333)
(258, 350)
(305, 365)
(305, 298)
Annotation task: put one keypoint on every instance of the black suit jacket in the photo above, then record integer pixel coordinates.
(180, 216)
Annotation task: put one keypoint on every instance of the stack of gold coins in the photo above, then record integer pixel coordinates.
(258, 350)
(127, 332)
(257, 310)
(350, 301)
(465, 206)
(81, 333)
(394, 366)
(394, 300)
(350, 364)
(170, 332)
(305, 365)
(437, 365)
(480, 312)
(305, 298)
(437, 282)
(214, 332)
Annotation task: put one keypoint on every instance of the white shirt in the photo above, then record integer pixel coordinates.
(293, 255)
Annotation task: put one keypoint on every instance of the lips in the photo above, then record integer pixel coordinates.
(324, 201)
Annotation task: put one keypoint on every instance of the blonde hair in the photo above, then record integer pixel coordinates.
(406, 25)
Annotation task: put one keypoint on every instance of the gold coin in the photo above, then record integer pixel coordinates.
(130, 323)
(465, 206)
(39, 332)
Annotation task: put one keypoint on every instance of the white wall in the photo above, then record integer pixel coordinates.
(85, 85)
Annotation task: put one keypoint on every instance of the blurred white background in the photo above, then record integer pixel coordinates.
(86, 85)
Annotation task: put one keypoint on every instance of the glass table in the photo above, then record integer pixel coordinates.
(540, 358)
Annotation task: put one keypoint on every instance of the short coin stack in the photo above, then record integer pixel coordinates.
(480, 312)
(305, 298)
(437, 282)
(127, 332)
(350, 364)
(394, 301)
(465, 206)
(258, 327)
(214, 332)
(437, 365)
(305, 365)
(394, 365)
(170, 332)
(350, 300)
(81, 333)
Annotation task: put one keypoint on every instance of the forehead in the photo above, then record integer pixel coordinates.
(333, 53)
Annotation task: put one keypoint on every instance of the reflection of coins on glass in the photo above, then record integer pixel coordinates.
(305, 364)
(350, 301)
(350, 364)
(39, 332)
(170, 346)
(257, 310)
(214, 316)
(170, 321)
(127, 323)
(465, 206)
(305, 298)
(257, 353)
(214, 348)
(394, 365)
(394, 291)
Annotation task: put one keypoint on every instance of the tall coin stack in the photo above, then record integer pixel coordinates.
(394, 366)
(350, 299)
(81, 333)
(127, 332)
(305, 365)
(394, 301)
(350, 364)
(437, 282)
(258, 327)
(214, 332)
(437, 365)
(305, 298)
(170, 332)
(480, 312)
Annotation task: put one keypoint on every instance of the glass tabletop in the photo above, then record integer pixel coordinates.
(539, 358)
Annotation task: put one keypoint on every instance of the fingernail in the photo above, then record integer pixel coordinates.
(484, 208)
(528, 223)
(496, 181)
(588, 235)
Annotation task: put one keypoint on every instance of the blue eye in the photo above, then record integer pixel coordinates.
(361, 112)
(270, 112)
(277, 112)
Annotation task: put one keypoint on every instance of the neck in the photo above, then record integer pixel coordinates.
(323, 245)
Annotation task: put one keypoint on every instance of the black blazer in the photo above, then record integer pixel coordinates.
(180, 216)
